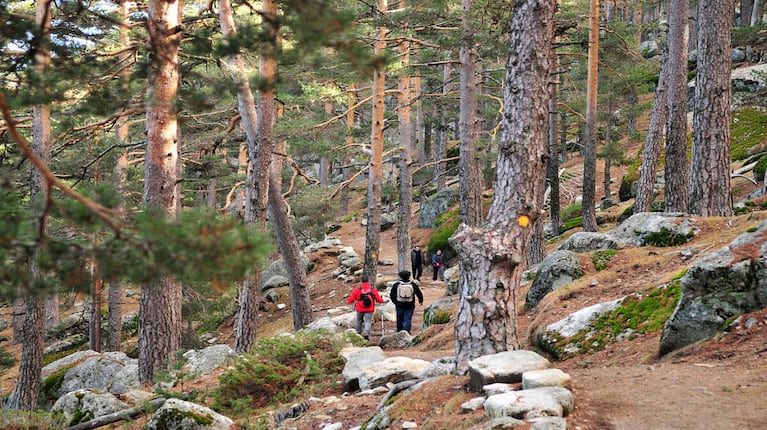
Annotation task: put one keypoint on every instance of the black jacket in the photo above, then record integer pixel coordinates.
(416, 290)
(416, 258)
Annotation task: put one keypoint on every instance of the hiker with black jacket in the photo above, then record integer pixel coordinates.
(403, 295)
(365, 296)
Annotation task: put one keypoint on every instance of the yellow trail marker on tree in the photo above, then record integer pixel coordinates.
(523, 221)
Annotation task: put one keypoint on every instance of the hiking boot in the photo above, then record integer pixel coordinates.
(366, 337)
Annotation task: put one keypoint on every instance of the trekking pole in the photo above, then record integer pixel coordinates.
(382, 321)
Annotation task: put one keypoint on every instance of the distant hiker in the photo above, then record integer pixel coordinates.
(416, 262)
(438, 264)
(403, 295)
(365, 296)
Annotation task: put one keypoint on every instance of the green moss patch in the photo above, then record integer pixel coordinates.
(637, 315)
(602, 257)
(665, 237)
(748, 128)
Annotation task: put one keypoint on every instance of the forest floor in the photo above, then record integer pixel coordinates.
(717, 384)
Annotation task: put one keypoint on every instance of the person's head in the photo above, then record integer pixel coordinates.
(439, 252)
(417, 248)
(404, 275)
(364, 278)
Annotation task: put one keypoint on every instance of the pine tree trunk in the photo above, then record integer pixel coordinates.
(590, 140)
(406, 149)
(440, 139)
(552, 167)
(25, 397)
(710, 187)
(94, 325)
(746, 8)
(350, 112)
(258, 131)
(757, 14)
(493, 255)
(653, 143)
(375, 172)
(677, 163)
(469, 172)
(160, 303)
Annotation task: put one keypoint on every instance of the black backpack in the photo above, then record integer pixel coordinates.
(366, 298)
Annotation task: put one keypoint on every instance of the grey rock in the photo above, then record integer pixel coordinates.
(528, 404)
(738, 55)
(327, 243)
(452, 279)
(728, 282)
(439, 367)
(325, 323)
(548, 423)
(69, 361)
(501, 423)
(473, 404)
(585, 241)
(113, 372)
(649, 48)
(358, 359)
(380, 421)
(177, 414)
(557, 270)
(272, 296)
(87, 404)
(278, 268)
(497, 388)
(399, 340)
(204, 361)
(435, 206)
(447, 305)
(390, 371)
(545, 378)
(507, 366)
(388, 220)
(4, 324)
(275, 281)
(639, 228)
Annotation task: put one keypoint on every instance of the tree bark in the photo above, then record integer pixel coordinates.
(25, 397)
(677, 163)
(757, 14)
(470, 188)
(653, 143)
(590, 140)
(375, 172)
(440, 138)
(160, 303)
(350, 117)
(406, 149)
(493, 255)
(710, 187)
(746, 8)
(552, 167)
(258, 131)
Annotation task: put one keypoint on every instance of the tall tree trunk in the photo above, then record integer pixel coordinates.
(300, 301)
(590, 140)
(677, 164)
(653, 143)
(710, 187)
(757, 14)
(160, 303)
(552, 167)
(346, 169)
(469, 172)
(94, 325)
(420, 124)
(608, 152)
(746, 8)
(258, 131)
(494, 254)
(25, 397)
(406, 149)
(375, 172)
(114, 297)
(440, 139)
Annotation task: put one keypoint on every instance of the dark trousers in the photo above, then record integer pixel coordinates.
(417, 272)
(404, 317)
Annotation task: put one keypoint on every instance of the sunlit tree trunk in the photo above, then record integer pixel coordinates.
(590, 140)
(375, 172)
(469, 172)
(710, 187)
(440, 138)
(493, 255)
(406, 149)
(746, 8)
(346, 169)
(160, 303)
(653, 143)
(677, 163)
(757, 14)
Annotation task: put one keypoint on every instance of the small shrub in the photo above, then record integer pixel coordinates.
(602, 257)
(280, 370)
(750, 204)
(751, 230)
(740, 210)
(440, 316)
(571, 212)
(575, 222)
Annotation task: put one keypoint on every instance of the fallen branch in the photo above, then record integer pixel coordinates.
(122, 415)
(402, 386)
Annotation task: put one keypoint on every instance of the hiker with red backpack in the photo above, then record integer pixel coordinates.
(365, 296)
(403, 295)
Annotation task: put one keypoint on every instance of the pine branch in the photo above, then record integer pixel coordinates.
(51, 180)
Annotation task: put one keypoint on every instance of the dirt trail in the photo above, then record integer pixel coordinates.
(719, 386)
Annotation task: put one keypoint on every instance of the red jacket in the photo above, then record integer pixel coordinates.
(357, 295)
